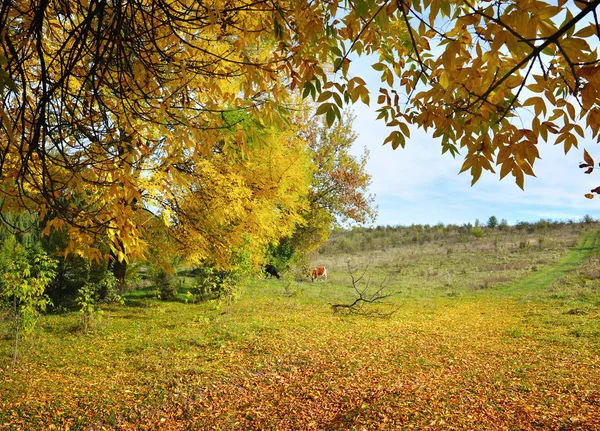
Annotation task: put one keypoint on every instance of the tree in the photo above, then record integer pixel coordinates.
(240, 202)
(101, 100)
(24, 276)
(473, 71)
(338, 192)
(492, 222)
(106, 98)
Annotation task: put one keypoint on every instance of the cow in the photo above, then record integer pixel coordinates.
(272, 271)
(319, 271)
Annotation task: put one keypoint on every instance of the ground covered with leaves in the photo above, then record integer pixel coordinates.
(513, 355)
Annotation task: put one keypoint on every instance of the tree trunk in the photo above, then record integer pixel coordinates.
(119, 269)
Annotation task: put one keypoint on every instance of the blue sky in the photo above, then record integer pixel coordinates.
(419, 185)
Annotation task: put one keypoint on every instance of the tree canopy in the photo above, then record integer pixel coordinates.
(105, 103)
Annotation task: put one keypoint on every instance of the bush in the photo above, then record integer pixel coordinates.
(24, 276)
(165, 284)
(477, 232)
(89, 295)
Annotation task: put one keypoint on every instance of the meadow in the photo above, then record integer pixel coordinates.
(494, 331)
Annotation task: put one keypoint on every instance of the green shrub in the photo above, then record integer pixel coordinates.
(24, 276)
(164, 284)
(477, 232)
(88, 297)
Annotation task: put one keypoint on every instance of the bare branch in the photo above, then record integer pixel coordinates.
(363, 298)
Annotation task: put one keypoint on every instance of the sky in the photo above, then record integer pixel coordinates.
(419, 185)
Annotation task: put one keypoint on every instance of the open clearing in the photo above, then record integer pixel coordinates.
(488, 334)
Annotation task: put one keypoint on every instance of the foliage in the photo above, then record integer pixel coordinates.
(72, 272)
(238, 203)
(208, 283)
(492, 222)
(466, 70)
(340, 184)
(165, 285)
(384, 237)
(338, 193)
(588, 219)
(90, 294)
(87, 299)
(24, 276)
(477, 232)
(100, 115)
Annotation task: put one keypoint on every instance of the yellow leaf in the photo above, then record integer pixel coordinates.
(476, 173)
(518, 174)
(405, 129)
(444, 80)
(324, 96)
(588, 31)
(506, 167)
(588, 96)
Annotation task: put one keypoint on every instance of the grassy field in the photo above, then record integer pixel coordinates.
(494, 333)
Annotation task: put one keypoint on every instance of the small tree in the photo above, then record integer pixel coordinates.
(165, 284)
(24, 277)
(89, 295)
(477, 232)
(492, 222)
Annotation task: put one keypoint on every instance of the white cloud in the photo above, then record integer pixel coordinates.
(418, 184)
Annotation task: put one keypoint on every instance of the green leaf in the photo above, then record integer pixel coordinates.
(330, 117)
(308, 89)
(322, 109)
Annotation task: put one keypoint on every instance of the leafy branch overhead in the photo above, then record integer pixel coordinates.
(492, 79)
(588, 165)
(107, 106)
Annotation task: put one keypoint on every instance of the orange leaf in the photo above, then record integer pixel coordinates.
(588, 159)
(588, 96)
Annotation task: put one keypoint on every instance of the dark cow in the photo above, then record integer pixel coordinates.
(272, 271)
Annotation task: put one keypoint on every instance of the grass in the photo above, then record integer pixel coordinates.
(485, 337)
(585, 246)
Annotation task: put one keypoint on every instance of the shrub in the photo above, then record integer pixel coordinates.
(164, 284)
(24, 276)
(477, 232)
(88, 297)
(503, 224)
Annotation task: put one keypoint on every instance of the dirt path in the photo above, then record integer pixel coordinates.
(535, 282)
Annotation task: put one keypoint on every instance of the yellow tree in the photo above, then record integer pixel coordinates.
(100, 96)
(339, 188)
(239, 202)
(106, 97)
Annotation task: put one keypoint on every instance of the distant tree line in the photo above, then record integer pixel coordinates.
(360, 238)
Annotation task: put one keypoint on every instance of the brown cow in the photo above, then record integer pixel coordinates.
(319, 271)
